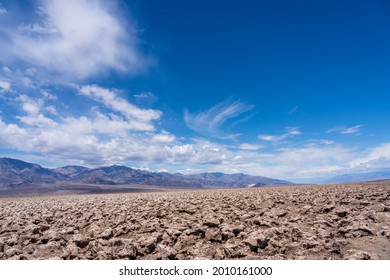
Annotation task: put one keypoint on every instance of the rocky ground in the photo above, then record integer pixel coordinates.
(300, 222)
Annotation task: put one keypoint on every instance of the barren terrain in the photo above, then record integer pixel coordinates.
(300, 222)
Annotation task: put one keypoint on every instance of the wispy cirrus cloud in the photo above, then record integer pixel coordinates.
(2, 9)
(73, 40)
(318, 142)
(346, 130)
(290, 131)
(293, 110)
(212, 121)
(145, 96)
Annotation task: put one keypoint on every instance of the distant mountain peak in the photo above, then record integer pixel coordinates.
(15, 172)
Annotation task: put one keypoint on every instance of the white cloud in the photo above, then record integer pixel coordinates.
(352, 130)
(115, 133)
(210, 122)
(48, 95)
(139, 118)
(149, 96)
(322, 141)
(346, 130)
(103, 138)
(290, 131)
(250, 147)
(268, 137)
(33, 108)
(75, 39)
(238, 158)
(3, 10)
(37, 120)
(12, 131)
(6, 70)
(30, 105)
(282, 164)
(293, 131)
(201, 153)
(27, 82)
(317, 142)
(377, 157)
(325, 155)
(36, 28)
(108, 138)
(103, 141)
(182, 153)
(163, 137)
(31, 71)
(51, 109)
(5, 86)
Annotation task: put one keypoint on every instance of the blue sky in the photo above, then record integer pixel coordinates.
(294, 90)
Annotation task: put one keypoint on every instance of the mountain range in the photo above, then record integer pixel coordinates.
(16, 173)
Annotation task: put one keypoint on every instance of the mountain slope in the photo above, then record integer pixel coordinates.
(71, 170)
(116, 174)
(16, 172)
(238, 180)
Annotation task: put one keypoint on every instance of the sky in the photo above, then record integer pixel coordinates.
(296, 90)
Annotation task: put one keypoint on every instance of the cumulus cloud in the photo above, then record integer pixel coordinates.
(29, 105)
(108, 138)
(32, 108)
(88, 141)
(139, 118)
(48, 95)
(201, 152)
(163, 137)
(210, 122)
(74, 39)
(101, 138)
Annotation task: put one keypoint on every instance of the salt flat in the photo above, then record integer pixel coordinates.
(299, 222)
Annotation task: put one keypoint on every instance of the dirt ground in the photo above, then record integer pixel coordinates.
(299, 222)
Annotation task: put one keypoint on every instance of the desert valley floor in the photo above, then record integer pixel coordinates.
(296, 222)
